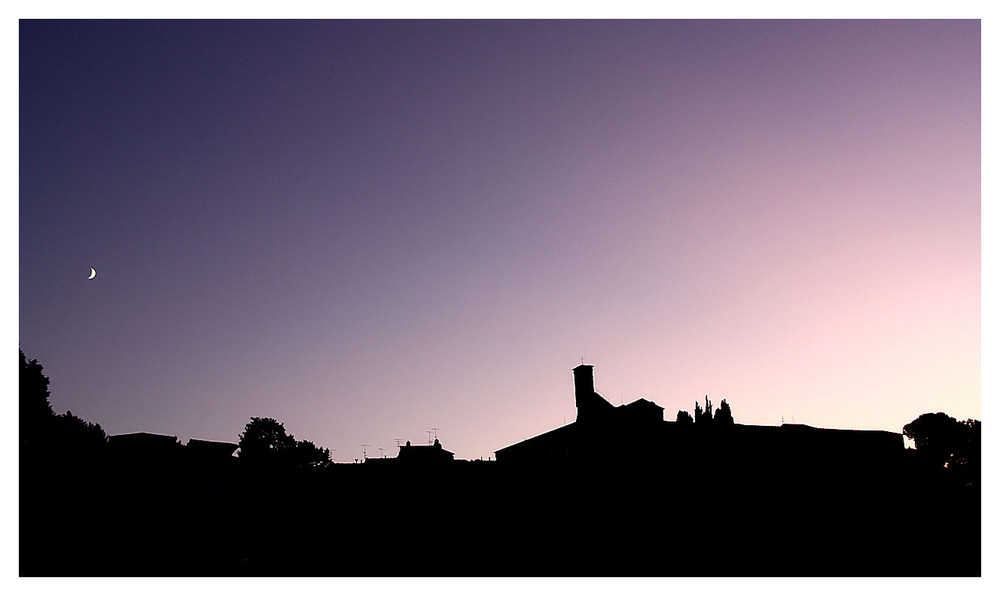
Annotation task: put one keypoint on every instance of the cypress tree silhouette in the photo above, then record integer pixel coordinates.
(724, 416)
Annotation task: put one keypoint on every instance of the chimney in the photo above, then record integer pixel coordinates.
(583, 378)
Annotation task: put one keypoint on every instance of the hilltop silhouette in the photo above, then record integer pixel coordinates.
(618, 492)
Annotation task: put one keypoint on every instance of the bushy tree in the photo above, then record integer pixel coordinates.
(936, 436)
(971, 448)
(947, 443)
(45, 436)
(307, 454)
(76, 438)
(684, 418)
(35, 411)
(265, 441)
(724, 416)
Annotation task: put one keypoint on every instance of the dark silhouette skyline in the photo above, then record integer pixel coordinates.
(703, 499)
(606, 435)
(310, 238)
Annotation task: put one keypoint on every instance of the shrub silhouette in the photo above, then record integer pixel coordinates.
(307, 454)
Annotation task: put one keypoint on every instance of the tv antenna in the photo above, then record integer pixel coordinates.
(381, 452)
(435, 432)
(364, 451)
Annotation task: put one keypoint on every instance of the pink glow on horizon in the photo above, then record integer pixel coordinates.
(428, 223)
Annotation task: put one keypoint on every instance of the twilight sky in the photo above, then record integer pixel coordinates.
(370, 229)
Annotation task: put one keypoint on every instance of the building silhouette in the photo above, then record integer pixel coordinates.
(618, 492)
(636, 433)
(416, 455)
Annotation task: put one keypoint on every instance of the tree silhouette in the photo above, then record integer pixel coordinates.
(265, 441)
(971, 447)
(45, 435)
(703, 418)
(307, 454)
(724, 416)
(935, 436)
(969, 452)
(33, 401)
(684, 418)
(944, 442)
(75, 438)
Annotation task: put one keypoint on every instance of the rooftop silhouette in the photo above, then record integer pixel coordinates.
(618, 492)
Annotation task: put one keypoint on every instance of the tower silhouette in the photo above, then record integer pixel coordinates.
(589, 404)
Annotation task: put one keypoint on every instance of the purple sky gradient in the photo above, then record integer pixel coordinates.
(369, 229)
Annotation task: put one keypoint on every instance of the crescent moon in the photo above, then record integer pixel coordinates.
(93, 273)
